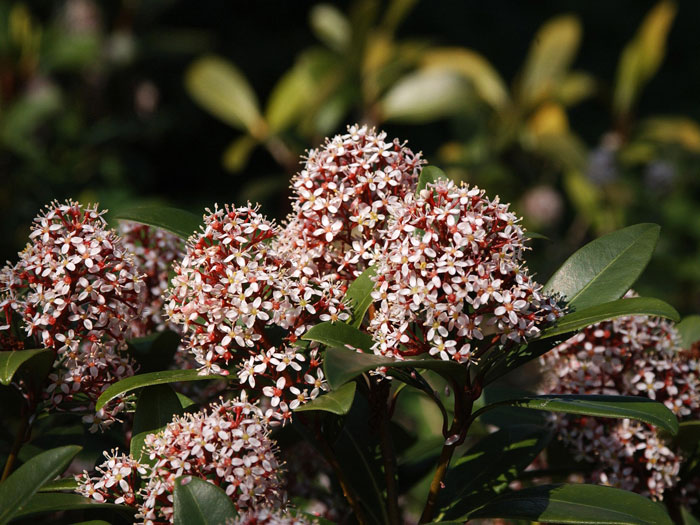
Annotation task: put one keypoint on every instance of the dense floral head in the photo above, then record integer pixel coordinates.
(227, 445)
(343, 194)
(637, 356)
(450, 280)
(75, 290)
(242, 304)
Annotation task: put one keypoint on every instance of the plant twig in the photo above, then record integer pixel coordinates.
(17, 444)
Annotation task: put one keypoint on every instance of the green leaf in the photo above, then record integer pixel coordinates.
(337, 402)
(331, 27)
(488, 467)
(180, 222)
(589, 504)
(155, 351)
(342, 365)
(155, 408)
(58, 501)
(153, 378)
(688, 438)
(430, 175)
(198, 502)
(604, 269)
(236, 155)
(688, 518)
(535, 235)
(19, 487)
(603, 312)
(340, 335)
(67, 483)
(689, 330)
(37, 361)
(630, 407)
(359, 295)
(220, 88)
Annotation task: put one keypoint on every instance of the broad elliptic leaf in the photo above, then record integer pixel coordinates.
(198, 502)
(359, 295)
(153, 378)
(603, 312)
(430, 175)
(155, 408)
(342, 365)
(38, 361)
(339, 335)
(623, 407)
(337, 401)
(604, 269)
(689, 330)
(20, 486)
(46, 502)
(155, 351)
(590, 504)
(68, 483)
(487, 468)
(180, 222)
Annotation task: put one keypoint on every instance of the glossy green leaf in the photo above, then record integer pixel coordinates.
(359, 295)
(37, 361)
(604, 269)
(342, 365)
(152, 378)
(688, 518)
(180, 222)
(198, 502)
(155, 351)
(629, 407)
(339, 335)
(590, 504)
(602, 312)
(487, 468)
(689, 330)
(220, 88)
(46, 502)
(19, 487)
(430, 175)
(67, 483)
(337, 401)
(155, 408)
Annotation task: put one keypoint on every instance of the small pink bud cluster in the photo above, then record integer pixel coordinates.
(227, 445)
(240, 303)
(342, 198)
(75, 290)
(634, 356)
(450, 280)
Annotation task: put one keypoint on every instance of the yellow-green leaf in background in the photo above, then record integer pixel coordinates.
(331, 27)
(575, 87)
(674, 130)
(236, 154)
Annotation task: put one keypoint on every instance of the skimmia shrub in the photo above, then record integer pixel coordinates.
(356, 361)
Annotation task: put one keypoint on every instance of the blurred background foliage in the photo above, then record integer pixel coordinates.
(584, 115)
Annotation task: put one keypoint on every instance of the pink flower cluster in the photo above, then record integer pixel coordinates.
(75, 290)
(241, 303)
(450, 280)
(342, 198)
(635, 356)
(227, 445)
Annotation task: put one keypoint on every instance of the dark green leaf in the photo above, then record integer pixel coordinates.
(19, 487)
(589, 504)
(155, 408)
(198, 502)
(688, 438)
(38, 361)
(339, 335)
(153, 378)
(631, 407)
(430, 175)
(689, 330)
(67, 483)
(688, 518)
(57, 501)
(603, 312)
(180, 222)
(488, 467)
(535, 235)
(155, 351)
(341, 366)
(604, 269)
(337, 402)
(359, 295)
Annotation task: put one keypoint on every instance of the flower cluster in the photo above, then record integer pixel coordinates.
(450, 280)
(342, 197)
(75, 290)
(241, 303)
(228, 445)
(636, 356)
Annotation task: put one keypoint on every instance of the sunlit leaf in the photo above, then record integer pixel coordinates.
(337, 401)
(38, 362)
(359, 295)
(339, 335)
(430, 175)
(689, 330)
(198, 502)
(180, 222)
